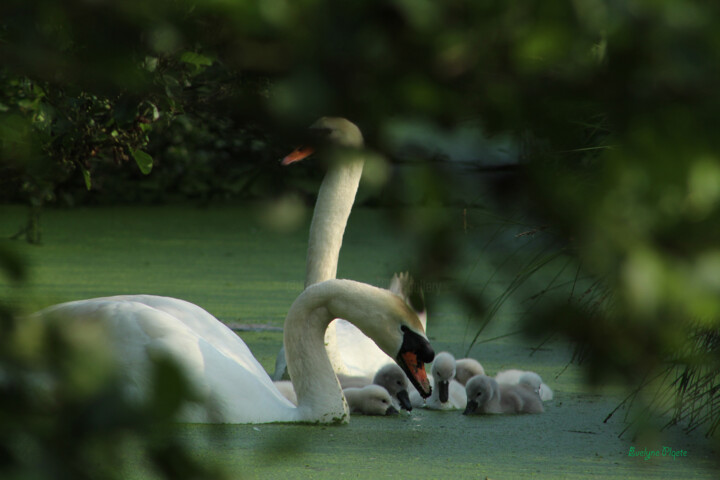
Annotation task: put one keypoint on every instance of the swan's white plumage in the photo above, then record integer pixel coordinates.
(351, 352)
(217, 362)
(221, 369)
(357, 354)
(287, 390)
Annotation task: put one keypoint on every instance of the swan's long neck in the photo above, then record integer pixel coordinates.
(332, 209)
(320, 397)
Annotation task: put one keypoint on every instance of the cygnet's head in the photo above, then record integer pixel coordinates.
(479, 389)
(531, 380)
(443, 370)
(392, 378)
(466, 368)
(370, 400)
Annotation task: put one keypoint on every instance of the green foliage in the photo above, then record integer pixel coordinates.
(612, 105)
(66, 414)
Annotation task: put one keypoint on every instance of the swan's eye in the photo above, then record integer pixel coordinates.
(399, 382)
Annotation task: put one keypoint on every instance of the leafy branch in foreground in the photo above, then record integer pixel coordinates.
(66, 413)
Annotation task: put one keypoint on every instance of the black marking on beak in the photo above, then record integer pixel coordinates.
(404, 400)
(444, 390)
(416, 343)
(414, 352)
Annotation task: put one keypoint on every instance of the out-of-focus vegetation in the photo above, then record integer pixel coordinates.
(66, 414)
(610, 104)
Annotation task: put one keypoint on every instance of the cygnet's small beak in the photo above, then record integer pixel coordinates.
(444, 390)
(391, 411)
(471, 407)
(404, 400)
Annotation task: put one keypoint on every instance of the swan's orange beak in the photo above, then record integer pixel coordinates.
(414, 353)
(297, 155)
(418, 375)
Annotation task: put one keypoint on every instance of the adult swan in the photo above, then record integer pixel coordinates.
(229, 380)
(351, 352)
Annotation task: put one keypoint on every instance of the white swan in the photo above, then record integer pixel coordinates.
(336, 195)
(525, 377)
(221, 369)
(485, 395)
(447, 393)
(351, 352)
(356, 353)
(466, 368)
(286, 389)
(369, 400)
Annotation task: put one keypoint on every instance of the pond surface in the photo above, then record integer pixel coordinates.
(222, 259)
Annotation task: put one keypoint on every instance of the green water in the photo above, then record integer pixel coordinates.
(223, 259)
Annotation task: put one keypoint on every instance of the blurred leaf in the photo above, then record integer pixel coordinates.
(195, 59)
(86, 176)
(143, 160)
(12, 264)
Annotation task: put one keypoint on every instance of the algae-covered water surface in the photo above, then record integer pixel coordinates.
(223, 259)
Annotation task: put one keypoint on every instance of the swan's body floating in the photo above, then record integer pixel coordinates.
(447, 393)
(221, 369)
(485, 395)
(370, 400)
(466, 368)
(528, 378)
(350, 352)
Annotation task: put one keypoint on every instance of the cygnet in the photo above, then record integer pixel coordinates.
(370, 400)
(390, 377)
(447, 394)
(466, 368)
(525, 377)
(485, 395)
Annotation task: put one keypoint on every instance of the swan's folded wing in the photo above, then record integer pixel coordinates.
(225, 375)
(204, 325)
(233, 385)
(237, 394)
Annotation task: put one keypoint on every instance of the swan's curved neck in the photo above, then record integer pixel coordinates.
(320, 397)
(332, 209)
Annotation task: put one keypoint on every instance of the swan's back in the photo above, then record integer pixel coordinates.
(220, 367)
